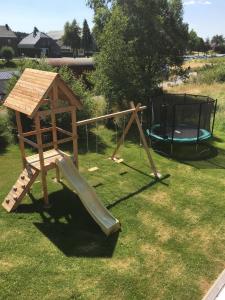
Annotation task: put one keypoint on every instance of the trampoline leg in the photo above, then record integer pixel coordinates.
(171, 148)
(196, 148)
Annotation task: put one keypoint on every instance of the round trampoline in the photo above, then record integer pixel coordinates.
(181, 118)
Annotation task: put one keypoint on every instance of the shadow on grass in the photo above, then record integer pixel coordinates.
(142, 189)
(69, 226)
(215, 161)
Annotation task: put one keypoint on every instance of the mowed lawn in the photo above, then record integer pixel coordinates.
(172, 243)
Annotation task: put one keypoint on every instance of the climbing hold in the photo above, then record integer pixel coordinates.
(15, 188)
(7, 201)
(22, 177)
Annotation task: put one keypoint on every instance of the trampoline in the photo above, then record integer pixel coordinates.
(181, 118)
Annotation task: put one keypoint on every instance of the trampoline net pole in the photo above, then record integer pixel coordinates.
(173, 126)
(199, 123)
(214, 115)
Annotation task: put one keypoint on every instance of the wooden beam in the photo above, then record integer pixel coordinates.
(66, 140)
(41, 158)
(74, 136)
(21, 142)
(64, 131)
(69, 93)
(28, 141)
(145, 144)
(34, 132)
(109, 116)
(132, 118)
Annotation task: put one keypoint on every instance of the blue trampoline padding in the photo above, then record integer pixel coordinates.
(188, 137)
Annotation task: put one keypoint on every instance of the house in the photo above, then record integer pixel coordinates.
(57, 37)
(7, 37)
(38, 44)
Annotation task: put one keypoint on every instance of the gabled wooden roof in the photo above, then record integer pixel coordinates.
(33, 87)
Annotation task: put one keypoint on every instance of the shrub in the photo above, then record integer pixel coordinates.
(7, 53)
(5, 131)
(211, 74)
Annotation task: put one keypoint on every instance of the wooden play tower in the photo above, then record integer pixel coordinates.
(36, 95)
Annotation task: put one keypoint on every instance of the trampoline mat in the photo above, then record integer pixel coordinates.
(182, 134)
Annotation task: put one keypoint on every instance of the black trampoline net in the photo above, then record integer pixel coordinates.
(182, 116)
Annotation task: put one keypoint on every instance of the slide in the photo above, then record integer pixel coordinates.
(88, 196)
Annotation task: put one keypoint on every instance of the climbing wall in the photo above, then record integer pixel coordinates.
(19, 190)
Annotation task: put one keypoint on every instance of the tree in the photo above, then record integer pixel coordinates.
(86, 40)
(207, 45)
(218, 43)
(137, 40)
(71, 35)
(7, 53)
(193, 41)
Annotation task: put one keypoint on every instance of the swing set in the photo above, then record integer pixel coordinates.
(34, 90)
(134, 110)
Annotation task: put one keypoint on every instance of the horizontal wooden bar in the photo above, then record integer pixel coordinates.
(64, 131)
(47, 145)
(109, 116)
(62, 141)
(29, 133)
(58, 110)
(28, 141)
(69, 139)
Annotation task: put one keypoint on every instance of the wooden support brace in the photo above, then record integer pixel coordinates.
(145, 144)
(21, 142)
(41, 158)
(120, 142)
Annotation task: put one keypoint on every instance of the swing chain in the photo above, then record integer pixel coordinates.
(87, 137)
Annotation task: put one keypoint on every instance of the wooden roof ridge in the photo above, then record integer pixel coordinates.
(33, 87)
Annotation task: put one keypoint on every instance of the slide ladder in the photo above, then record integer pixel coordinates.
(88, 196)
(20, 188)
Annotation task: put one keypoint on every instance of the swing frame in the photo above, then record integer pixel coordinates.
(134, 117)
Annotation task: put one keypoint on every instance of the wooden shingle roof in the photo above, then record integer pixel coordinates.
(33, 87)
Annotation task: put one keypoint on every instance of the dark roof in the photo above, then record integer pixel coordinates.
(6, 32)
(68, 61)
(31, 40)
(5, 75)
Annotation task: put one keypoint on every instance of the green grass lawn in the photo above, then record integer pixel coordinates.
(172, 243)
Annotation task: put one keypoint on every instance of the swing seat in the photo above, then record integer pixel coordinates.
(93, 169)
(117, 160)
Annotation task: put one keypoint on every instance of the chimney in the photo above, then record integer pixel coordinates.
(7, 26)
(35, 31)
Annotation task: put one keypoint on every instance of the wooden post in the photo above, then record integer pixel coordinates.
(54, 98)
(41, 158)
(21, 141)
(74, 135)
(145, 144)
(133, 117)
(121, 140)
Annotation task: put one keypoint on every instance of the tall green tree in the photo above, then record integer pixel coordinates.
(193, 41)
(86, 40)
(137, 40)
(72, 35)
(218, 43)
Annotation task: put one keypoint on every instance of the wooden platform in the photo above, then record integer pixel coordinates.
(49, 159)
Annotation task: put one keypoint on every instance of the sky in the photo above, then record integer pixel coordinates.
(206, 17)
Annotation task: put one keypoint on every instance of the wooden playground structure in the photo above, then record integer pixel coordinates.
(36, 95)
